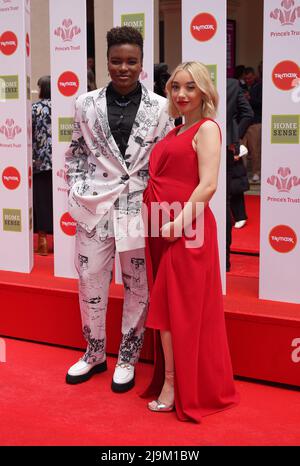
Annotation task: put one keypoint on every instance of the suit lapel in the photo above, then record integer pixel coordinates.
(104, 129)
(139, 138)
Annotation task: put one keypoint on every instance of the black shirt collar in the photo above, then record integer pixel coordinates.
(133, 96)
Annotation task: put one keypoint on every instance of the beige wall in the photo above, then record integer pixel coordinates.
(170, 13)
(156, 31)
(249, 25)
(40, 46)
(103, 17)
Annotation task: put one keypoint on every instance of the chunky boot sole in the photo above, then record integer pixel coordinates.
(122, 387)
(74, 379)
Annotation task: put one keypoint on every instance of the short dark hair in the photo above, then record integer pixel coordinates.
(44, 85)
(91, 81)
(239, 71)
(249, 69)
(124, 35)
(161, 76)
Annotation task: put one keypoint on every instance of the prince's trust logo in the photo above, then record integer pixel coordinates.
(67, 31)
(284, 181)
(286, 184)
(287, 14)
(67, 34)
(285, 19)
(10, 129)
(9, 132)
(7, 6)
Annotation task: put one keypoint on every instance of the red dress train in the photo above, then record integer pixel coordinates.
(186, 295)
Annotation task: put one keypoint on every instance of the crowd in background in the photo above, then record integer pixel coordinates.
(251, 84)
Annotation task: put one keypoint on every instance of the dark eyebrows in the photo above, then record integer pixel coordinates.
(118, 57)
(189, 82)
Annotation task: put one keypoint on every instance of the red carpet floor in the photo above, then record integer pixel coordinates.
(38, 408)
(244, 266)
(246, 239)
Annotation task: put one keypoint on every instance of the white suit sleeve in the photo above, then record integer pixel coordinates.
(76, 164)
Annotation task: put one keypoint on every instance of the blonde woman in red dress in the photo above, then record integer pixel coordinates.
(193, 371)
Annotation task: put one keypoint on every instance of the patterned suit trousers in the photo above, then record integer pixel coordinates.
(94, 259)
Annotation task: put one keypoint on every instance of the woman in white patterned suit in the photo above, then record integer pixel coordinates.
(107, 170)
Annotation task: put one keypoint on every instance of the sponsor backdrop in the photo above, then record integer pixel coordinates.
(139, 15)
(16, 239)
(68, 80)
(204, 39)
(280, 185)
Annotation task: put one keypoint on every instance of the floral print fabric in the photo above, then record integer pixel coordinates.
(41, 136)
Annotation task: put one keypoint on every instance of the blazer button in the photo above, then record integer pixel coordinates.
(125, 177)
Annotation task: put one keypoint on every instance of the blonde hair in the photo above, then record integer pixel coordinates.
(201, 76)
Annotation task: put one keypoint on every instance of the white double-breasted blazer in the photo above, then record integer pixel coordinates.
(104, 185)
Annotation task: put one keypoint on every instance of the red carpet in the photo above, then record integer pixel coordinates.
(244, 266)
(38, 408)
(246, 239)
(42, 308)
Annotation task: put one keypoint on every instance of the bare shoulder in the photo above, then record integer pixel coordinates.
(207, 131)
(209, 127)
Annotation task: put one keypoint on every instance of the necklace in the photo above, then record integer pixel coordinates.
(122, 104)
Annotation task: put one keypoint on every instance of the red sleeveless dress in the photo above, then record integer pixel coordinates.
(186, 295)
